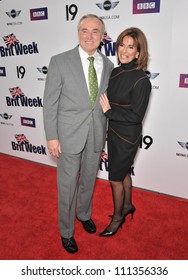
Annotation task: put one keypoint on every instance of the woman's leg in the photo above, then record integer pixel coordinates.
(118, 200)
(128, 207)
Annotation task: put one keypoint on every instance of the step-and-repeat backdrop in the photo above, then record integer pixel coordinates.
(32, 31)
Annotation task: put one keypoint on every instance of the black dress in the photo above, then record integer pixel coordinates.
(128, 93)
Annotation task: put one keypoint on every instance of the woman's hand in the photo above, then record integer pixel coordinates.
(104, 103)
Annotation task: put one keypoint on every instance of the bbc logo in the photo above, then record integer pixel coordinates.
(183, 81)
(146, 6)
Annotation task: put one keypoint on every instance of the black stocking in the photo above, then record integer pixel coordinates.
(127, 185)
(118, 200)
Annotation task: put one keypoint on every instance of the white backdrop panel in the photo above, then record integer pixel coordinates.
(162, 160)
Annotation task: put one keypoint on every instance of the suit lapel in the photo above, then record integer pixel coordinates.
(78, 73)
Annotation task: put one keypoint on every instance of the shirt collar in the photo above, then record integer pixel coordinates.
(84, 55)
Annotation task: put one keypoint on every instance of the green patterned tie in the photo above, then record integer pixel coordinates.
(93, 84)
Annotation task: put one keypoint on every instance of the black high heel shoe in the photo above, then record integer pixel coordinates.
(108, 232)
(130, 211)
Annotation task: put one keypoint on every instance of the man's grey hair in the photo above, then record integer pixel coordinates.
(91, 16)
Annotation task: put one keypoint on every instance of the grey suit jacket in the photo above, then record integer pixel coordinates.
(67, 108)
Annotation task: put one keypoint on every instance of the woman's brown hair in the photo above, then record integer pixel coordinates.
(141, 43)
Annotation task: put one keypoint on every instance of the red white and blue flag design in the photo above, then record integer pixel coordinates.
(21, 139)
(104, 156)
(106, 39)
(16, 92)
(10, 40)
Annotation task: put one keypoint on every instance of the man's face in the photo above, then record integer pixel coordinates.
(90, 34)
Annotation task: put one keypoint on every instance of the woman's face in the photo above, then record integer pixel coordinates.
(127, 51)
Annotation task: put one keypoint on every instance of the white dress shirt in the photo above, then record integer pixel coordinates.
(98, 64)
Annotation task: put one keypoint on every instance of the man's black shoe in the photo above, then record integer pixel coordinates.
(89, 226)
(69, 244)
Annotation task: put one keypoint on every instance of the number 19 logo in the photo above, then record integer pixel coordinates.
(71, 12)
(147, 141)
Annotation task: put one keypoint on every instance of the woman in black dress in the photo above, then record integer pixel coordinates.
(125, 105)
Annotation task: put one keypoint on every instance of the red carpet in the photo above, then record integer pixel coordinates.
(29, 227)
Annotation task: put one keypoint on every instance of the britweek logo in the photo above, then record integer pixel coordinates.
(39, 14)
(14, 47)
(104, 162)
(108, 45)
(183, 81)
(23, 145)
(19, 99)
(144, 6)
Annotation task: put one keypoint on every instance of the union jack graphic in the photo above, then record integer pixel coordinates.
(21, 139)
(16, 92)
(104, 156)
(106, 39)
(10, 40)
(104, 161)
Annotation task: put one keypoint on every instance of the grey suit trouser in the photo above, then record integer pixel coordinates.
(76, 175)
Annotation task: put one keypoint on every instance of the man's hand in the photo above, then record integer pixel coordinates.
(54, 147)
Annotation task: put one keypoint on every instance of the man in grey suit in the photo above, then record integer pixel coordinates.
(75, 128)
